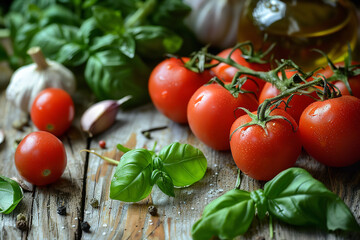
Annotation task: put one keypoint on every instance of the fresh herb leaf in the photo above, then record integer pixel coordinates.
(110, 21)
(165, 183)
(293, 196)
(131, 181)
(72, 54)
(184, 163)
(226, 217)
(155, 41)
(10, 195)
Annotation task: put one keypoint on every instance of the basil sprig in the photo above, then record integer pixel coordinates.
(293, 196)
(176, 165)
(10, 195)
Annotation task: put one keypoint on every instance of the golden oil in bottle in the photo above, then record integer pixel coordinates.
(299, 26)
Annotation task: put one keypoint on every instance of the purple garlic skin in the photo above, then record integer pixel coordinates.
(100, 116)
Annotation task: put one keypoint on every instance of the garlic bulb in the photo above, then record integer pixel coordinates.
(215, 21)
(28, 81)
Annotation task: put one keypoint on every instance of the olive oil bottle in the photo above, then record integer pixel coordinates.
(299, 26)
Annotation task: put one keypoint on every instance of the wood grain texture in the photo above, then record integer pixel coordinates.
(87, 177)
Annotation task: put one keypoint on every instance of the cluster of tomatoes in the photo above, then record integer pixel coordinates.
(329, 130)
(40, 157)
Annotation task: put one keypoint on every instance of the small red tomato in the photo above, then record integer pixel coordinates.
(330, 131)
(262, 156)
(171, 85)
(354, 81)
(211, 111)
(53, 111)
(40, 158)
(226, 72)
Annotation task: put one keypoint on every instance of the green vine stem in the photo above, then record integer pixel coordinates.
(141, 13)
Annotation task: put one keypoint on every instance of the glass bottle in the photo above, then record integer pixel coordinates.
(299, 26)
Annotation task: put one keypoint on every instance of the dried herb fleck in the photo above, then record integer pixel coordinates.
(94, 203)
(85, 226)
(61, 210)
(152, 210)
(21, 222)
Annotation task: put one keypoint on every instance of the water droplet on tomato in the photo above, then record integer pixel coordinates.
(164, 94)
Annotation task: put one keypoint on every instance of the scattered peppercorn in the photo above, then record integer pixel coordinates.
(102, 144)
(94, 203)
(21, 222)
(85, 226)
(152, 210)
(61, 210)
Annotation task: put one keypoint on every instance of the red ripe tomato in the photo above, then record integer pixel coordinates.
(262, 156)
(354, 81)
(296, 105)
(330, 131)
(171, 85)
(211, 111)
(226, 72)
(53, 111)
(40, 158)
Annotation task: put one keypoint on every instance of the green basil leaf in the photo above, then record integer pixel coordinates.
(295, 197)
(155, 41)
(89, 31)
(53, 37)
(59, 15)
(110, 21)
(24, 36)
(226, 217)
(131, 181)
(165, 183)
(72, 54)
(170, 12)
(112, 75)
(184, 163)
(10, 195)
(127, 45)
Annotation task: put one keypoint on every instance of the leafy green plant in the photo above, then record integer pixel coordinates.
(293, 196)
(176, 165)
(10, 195)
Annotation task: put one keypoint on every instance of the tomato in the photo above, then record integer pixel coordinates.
(40, 158)
(171, 85)
(298, 102)
(296, 105)
(354, 81)
(53, 111)
(330, 131)
(262, 156)
(211, 111)
(226, 72)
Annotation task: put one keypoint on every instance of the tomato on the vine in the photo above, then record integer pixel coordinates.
(211, 111)
(40, 158)
(53, 111)
(330, 131)
(263, 154)
(297, 103)
(354, 81)
(171, 85)
(226, 72)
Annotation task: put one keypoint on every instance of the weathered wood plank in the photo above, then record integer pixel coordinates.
(9, 114)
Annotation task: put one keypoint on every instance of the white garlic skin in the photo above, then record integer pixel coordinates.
(215, 22)
(28, 81)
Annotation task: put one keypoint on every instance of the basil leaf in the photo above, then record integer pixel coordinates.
(60, 15)
(23, 37)
(110, 21)
(10, 195)
(226, 217)
(112, 75)
(127, 45)
(170, 12)
(155, 41)
(89, 31)
(72, 54)
(53, 37)
(131, 181)
(184, 163)
(295, 197)
(165, 183)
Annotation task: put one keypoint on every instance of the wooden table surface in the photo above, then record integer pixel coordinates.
(87, 177)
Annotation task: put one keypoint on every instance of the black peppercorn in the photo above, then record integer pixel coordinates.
(152, 210)
(85, 226)
(61, 210)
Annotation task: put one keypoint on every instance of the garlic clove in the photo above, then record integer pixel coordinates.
(101, 116)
